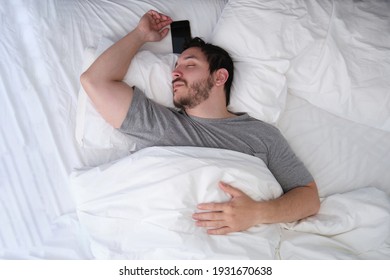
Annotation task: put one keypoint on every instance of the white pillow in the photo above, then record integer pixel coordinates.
(92, 131)
(149, 72)
(337, 63)
(202, 14)
(271, 29)
(259, 88)
(259, 85)
(347, 70)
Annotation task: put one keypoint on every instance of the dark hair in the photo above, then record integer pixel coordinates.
(217, 58)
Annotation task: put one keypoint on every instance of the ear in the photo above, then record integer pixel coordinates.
(221, 76)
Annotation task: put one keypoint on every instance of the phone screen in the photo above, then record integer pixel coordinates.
(181, 33)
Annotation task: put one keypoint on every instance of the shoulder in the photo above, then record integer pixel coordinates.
(141, 101)
(262, 128)
(144, 113)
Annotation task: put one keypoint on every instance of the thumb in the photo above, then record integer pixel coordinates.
(164, 32)
(230, 189)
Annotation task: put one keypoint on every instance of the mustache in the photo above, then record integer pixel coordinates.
(179, 80)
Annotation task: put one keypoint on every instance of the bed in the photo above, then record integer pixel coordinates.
(71, 187)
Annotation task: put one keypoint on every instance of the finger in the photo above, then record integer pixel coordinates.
(208, 216)
(165, 17)
(159, 17)
(164, 32)
(162, 24)
(210, 224)
(211, 206)
(153, 13)
(230, 190)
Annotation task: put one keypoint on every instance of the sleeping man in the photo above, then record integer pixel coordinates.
(201, 82)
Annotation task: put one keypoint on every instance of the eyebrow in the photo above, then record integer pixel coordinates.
(187, 58)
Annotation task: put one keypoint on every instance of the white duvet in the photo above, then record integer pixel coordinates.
(140, 207)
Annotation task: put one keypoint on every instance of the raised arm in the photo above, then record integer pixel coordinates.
(103, 81)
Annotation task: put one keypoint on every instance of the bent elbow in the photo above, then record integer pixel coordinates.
(316, 207)
(85, 80)
(83, 77)
(315, 203)
(89, 84)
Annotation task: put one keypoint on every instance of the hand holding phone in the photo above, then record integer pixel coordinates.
(181, 33)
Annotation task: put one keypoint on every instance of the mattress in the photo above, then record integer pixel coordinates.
(318, 70)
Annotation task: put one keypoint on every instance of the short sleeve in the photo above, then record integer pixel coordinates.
(287, 168)
(146, 120)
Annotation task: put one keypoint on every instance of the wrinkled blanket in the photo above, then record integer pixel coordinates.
(140, 207)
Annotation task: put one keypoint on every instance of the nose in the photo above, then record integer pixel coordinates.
(176, 73)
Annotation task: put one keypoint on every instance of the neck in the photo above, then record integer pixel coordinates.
(213, 107)
(210, 111)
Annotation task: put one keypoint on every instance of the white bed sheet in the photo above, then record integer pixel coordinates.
(37, 145)
(342, 155)
(42, 47)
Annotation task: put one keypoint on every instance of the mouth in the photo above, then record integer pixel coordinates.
(176, 86)
(178, 83)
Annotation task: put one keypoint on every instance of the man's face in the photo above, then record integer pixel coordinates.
(191, 79)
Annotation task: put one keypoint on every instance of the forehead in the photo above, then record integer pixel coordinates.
(192, 53)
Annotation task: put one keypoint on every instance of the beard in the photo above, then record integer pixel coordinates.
(197, 93)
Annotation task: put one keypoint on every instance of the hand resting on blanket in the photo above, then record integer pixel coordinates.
(242, 212)
(235, 215)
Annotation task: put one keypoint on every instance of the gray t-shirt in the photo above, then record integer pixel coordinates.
(151, 124)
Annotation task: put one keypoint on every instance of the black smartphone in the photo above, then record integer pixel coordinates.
(181, 33)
